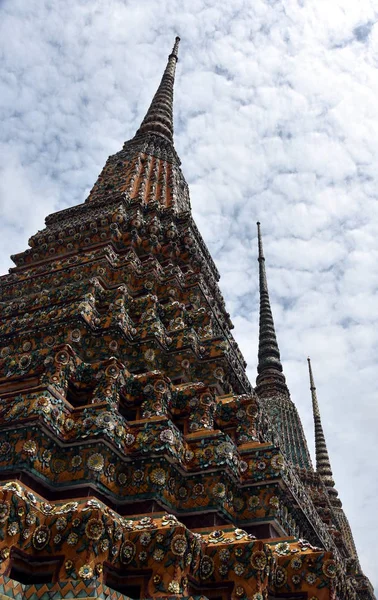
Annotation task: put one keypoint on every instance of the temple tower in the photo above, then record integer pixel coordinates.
(136, 460)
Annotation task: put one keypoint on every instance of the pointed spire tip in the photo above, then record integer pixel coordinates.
(259, 240)
(175, 48)
(269, 354)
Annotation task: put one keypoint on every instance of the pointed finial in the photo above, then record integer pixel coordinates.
(159, 117)
(323, 464)
(315, 406)
(175, 48)
(259, 240)
(269, 354)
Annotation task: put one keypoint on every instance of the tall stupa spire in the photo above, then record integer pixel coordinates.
(269, 361)
(323, 464)
(271, 383)
(159, 117)
(147, 169)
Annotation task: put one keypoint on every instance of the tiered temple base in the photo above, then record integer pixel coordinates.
(82, 548)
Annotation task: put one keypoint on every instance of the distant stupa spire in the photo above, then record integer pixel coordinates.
(159, 117)
(270, 381)
(323, 464)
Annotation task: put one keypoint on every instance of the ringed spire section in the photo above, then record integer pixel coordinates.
(271, 383)
(159, 117)
(147, 169)
(324, 470)
(323, 463)
(269, 366)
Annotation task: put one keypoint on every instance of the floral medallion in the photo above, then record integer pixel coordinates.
(41, 537)
(96, 462)
(206, 567)
(179, 545)
(280, 576)
(94, 529)
(329, 568)
(127, 552)
(258, 560)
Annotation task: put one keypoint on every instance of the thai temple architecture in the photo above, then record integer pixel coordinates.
(136, 459)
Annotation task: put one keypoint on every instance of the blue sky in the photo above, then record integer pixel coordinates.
(276, 120)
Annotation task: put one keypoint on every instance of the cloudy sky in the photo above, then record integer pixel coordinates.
(276, 120)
